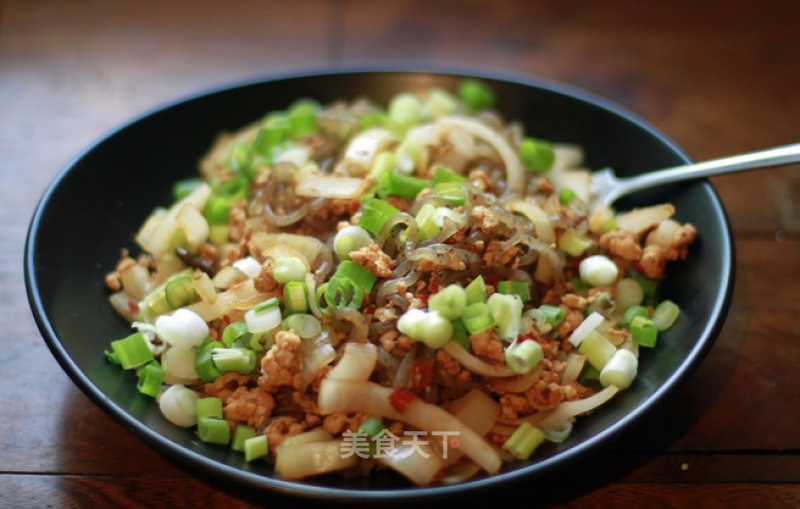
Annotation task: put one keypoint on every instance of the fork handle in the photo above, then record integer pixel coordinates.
(778, 156)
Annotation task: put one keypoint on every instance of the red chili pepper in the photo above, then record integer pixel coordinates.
(433, 286)
(526, 337)
(354, 204)
(492, 279)
(370, 309)
(575, 262)
(421, 374)
(133, 307)
(400, 399)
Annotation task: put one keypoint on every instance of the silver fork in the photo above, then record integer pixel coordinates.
(607, 187)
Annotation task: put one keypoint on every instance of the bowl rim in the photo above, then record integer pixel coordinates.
(193, 459)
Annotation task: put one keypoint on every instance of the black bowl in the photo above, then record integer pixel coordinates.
(97, 203)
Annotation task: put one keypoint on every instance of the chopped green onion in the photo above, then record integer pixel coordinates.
(241, 434)
(573, 243)
(536, 155)
(233, 332)
(305, 326)
(204, 365)
(180, 292)
(597, 349)
(151, 378)
(268, 304)
(453, 192)
(213, 431)
(402, 185)
(477, 317)
(341, 292)
(375, 214)
(566, 195)
(372, 119)
(349, 239)
(460, 335)
(525, 439)
(519, 288)
(475, 95)
(476, 291)
(430, 328)
(589, 374)
(256, 447)
(217, 210)
(649, 286)
(289, 268)
(239, 158)
(507, 313)
(553, 314)
(274, 132)
(240, 360)
(372, 426)
(620, 370)
(598, 270)
(442, 175)
(405, 110)
(219, 234)
(521, 357)
(209, 407)
(357, 273)
(631, 313)
(665, 315)
(439, 103)
(409, 156)
(383, 164)
(295, 298)
(183, 188)
(578, 285)
(628, 293)
(155, 303)
(132, 351)
(644, 332)
(449, 302)
(111, 357)
(426, 222)
(302, 120)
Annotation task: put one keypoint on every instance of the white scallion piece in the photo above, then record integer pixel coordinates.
(178, 404)
(182, 329)
(248, 266)
(620, 370)
(586, 326)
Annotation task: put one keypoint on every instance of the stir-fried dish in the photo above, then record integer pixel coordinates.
(422, 287)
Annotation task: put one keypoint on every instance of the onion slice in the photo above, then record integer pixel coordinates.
(357, 363)
(515, 175)
(589, 324)
(314, 185)
(369, 397)
(296, 461)
(474, 364)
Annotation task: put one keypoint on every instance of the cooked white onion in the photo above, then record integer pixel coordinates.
(515, 176)
(572, 370)
(239, 297)
(309, 459)
(369, 397)
(357, 362)
(413, 464)
(194, 226)
(639, 221)
(474, 364)
(182, 329)
(476, 410)
(135, 280)
(587, 325)
(309, 437)
(204, 287)
(305, 247)
(315, 185)
(541, 223)
(315, 353)
(362, 150)
(155, 238)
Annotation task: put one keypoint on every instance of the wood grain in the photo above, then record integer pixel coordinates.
(717, 79)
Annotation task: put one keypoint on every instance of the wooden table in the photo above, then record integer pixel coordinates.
(720, 79)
